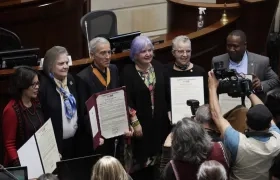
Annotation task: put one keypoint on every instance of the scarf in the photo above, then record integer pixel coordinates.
(68, 98)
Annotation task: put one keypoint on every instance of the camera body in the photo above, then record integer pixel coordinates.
(231, 82)
(194, 104)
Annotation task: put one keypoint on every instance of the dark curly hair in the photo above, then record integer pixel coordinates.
(21, 80)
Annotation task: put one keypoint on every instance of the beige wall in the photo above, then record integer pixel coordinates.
(147, 16)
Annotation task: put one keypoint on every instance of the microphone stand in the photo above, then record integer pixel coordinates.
(8, 173)
(87, 39)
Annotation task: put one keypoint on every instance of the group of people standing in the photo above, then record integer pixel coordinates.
(57, 95)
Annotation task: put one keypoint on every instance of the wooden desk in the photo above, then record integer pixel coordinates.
(163, 53)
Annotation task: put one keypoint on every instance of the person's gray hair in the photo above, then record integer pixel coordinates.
(203, 115)
(211, 170)
(94, 43)
(190, 142)
(51, 57)
(178, 39)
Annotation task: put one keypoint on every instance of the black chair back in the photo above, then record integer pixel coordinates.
(101, 23)
(9, 40)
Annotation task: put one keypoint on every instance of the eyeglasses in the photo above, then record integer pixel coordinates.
(35, 84)
(104, 53)
(183, 51)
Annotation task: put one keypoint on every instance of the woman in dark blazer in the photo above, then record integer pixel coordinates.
(59, 99)
(22, 116)
(144, 83)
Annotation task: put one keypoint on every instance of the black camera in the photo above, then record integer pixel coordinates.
(231, 82)
(194, 104)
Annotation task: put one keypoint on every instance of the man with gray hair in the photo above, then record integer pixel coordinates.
(203, 116)
(99, 76)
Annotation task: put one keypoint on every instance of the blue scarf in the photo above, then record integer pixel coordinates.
(69, 100)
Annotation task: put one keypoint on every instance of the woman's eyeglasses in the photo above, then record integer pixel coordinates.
(183, 51)
(35, 84)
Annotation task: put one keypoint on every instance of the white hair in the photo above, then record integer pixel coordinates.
(178, 39)
(95, 41)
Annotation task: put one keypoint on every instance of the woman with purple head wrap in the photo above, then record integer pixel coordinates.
(144, 83)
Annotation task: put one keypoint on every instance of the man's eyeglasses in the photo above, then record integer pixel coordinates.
(104, 53)
(182, 51)
(35, 84)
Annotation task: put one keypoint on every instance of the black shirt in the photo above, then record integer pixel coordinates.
(194, 71)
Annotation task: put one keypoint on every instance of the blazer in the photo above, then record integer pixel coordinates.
(51, 104)
(258, 65)
(155, 126)
(88, 85)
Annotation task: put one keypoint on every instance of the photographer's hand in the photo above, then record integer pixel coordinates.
(215, 109)
(213, 83)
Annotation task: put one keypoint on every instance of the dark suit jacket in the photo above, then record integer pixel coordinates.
(258, 65)
(89, 85)
(154, 126)
(51, 105)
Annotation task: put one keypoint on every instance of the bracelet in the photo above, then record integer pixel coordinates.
(132, 121)
(135, 123)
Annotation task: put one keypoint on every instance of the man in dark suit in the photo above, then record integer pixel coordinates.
(245, 62)
(99, 76)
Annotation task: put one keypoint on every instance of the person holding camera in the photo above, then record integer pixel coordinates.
(253, 152)
(245, 62)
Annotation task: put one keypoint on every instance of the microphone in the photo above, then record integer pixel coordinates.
(87, 39)
(116, 144)
(8, 173)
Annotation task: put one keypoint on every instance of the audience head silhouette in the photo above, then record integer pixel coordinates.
(190, 142)
(108, 168)
(48, 176)
(211, 170)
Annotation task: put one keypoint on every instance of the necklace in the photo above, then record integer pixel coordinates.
(29, 110)
(183, 68)
(26, 112)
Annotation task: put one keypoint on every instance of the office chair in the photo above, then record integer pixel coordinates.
(9, 40)
(101, 23)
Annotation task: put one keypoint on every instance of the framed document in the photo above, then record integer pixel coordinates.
(94, 123)
(40, 152)
(183, 89)
(108, 113)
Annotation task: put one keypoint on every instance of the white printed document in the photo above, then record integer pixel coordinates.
(183, 89)
(112, 113)
(40, 152)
